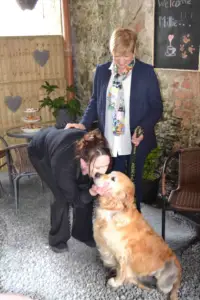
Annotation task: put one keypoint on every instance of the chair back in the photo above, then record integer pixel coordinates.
(189, 167)
(21, 162)
(3, 145)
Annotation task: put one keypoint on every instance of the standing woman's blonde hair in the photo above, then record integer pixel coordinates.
(123, 41)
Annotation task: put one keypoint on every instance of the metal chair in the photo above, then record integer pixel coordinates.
(2, 159)
(186, 197)
(18, 165)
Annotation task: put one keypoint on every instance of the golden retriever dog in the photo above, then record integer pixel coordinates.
(128, 244)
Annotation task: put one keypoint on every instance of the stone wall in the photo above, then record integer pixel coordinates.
(92, 24)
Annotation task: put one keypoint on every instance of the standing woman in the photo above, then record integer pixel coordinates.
(125, 95)
(67, 161)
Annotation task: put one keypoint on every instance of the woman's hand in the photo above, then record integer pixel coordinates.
(137, 140)
(93, 191)
(75, 125)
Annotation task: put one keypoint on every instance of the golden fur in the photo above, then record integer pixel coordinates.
(128, 244)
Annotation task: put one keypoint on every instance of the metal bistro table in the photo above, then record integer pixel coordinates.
(16, 132)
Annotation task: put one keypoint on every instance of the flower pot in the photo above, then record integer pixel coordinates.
(150, 190)
(27, 4)
(63, 117)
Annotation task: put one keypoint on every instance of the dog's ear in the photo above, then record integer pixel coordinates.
(111, 203)
(126, 197)
(130, 193)
(118, 200)
(119, 205)
(121, 195)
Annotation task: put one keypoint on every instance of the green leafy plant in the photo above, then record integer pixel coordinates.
(72, 106)
(152, 164)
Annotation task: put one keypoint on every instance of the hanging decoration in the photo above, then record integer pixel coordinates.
(27, 4)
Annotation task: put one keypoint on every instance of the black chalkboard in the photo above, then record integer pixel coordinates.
(177, 34)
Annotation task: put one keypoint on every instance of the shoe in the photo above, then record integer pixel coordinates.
(60, 248)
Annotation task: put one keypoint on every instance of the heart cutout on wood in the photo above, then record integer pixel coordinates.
(41, 57)
(13, 102)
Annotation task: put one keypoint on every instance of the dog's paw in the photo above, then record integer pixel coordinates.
(111, 273)
(113, 283)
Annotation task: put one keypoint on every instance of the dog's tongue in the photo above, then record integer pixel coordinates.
(103, 185)
(103, 189)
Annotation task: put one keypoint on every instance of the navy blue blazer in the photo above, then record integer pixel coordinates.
(145, 101)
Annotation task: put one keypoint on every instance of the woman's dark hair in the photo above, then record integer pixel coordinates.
(92, 145)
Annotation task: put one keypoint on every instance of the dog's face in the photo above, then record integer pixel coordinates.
(121, 189)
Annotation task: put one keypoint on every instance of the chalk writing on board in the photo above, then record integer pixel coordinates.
(177, 39)
(173, 3)
(171, 51)
(169, 21)
(186, 18)
(165, 22)
(186, 47)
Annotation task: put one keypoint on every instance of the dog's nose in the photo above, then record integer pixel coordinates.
(98, 175)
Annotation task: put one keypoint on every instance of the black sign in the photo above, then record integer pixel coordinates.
(177, 34)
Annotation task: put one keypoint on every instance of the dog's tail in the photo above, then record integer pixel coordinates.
(169, 279)
(148, 281)
(173, 295)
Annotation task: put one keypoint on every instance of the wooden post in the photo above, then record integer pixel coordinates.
(66, 29)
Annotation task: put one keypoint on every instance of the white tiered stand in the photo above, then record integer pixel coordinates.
(31, 120)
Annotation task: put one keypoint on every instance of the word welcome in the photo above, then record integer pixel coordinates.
(173, 3)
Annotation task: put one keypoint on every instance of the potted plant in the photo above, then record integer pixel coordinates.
(151, 176)
(64, 110)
